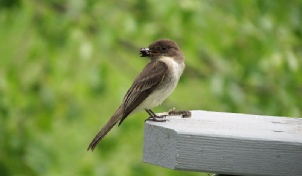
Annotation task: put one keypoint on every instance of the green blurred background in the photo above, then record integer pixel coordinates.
(65, 66)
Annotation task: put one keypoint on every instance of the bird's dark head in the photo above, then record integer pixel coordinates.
(162, 47)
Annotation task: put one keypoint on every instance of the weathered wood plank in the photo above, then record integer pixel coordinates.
(228, 143)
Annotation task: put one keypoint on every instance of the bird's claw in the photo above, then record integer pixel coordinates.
(157, 118)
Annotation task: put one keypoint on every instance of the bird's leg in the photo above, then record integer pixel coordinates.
(154, 117)
(151, 113)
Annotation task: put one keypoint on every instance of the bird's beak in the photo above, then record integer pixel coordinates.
(145, 52)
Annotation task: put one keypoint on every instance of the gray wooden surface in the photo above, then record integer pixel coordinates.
(228, 143)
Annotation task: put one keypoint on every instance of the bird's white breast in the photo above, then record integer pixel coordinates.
(177, 68)
(166, 87)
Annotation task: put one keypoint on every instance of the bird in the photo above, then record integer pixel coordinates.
(151, 87)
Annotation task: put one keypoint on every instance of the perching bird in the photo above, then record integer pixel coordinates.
(151, 87)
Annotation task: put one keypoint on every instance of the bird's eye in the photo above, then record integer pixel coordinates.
(164, 48)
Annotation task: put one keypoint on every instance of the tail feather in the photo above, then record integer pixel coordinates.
(108, 126)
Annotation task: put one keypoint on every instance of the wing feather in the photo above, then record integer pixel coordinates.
(151, 76)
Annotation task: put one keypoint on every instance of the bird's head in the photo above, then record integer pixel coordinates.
(159, 48)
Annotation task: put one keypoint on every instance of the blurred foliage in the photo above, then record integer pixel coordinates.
(66, 65)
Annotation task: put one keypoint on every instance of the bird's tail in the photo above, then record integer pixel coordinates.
(108, 126)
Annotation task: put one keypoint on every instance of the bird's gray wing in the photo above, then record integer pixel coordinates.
(144, 84)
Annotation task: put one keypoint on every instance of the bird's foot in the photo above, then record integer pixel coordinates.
(154, 117)
(157, 118)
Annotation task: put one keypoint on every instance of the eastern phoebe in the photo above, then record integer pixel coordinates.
(151, 87)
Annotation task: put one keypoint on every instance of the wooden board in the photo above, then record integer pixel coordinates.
(226, 143)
